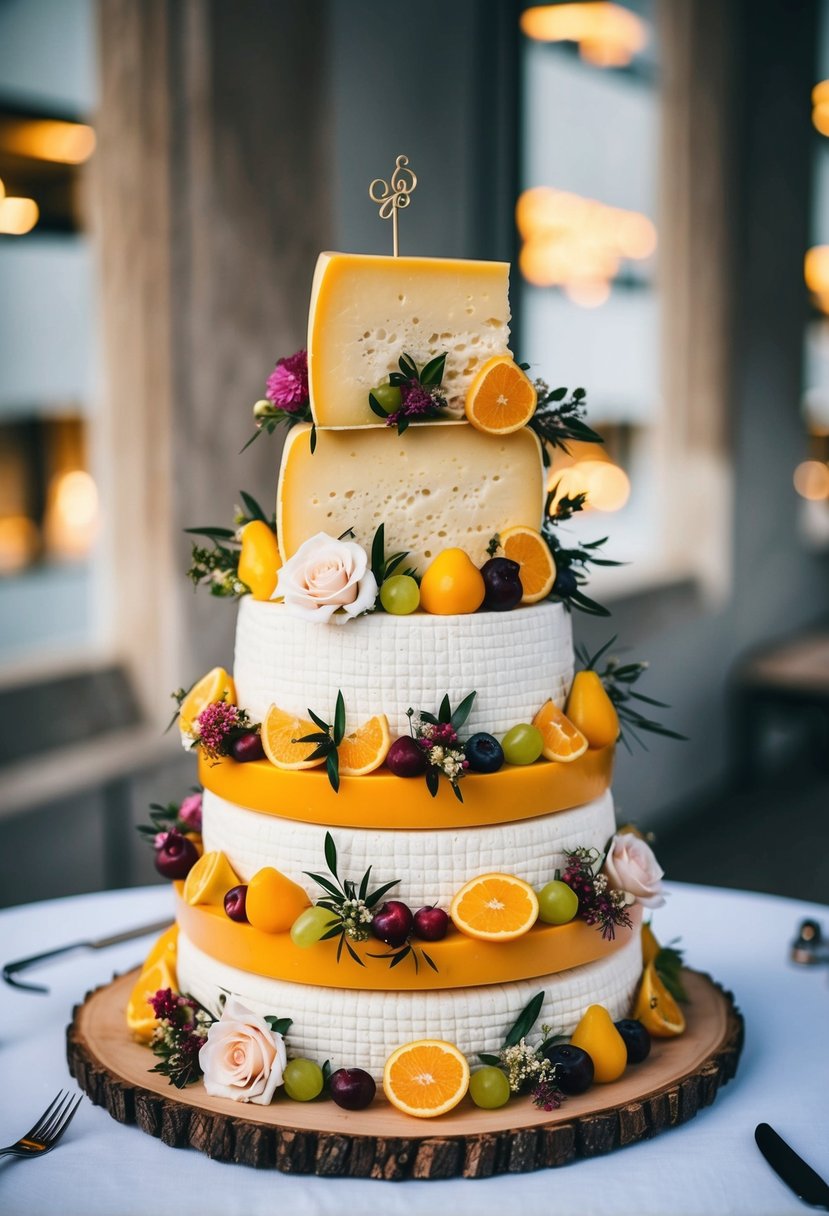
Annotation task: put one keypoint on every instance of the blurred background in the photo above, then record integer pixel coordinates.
(658, 173)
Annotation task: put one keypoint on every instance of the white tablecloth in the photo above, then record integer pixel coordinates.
(709, 1166)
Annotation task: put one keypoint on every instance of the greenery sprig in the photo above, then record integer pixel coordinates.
(421, 395)
(438, 736)
(668, 965)
(618, 680)
(218, 566)
(350, 904)
(520, 1028)
(165, 818)
(383, 567)
(559, 418)
(528, 1067)
(328, 739)
(572, 562)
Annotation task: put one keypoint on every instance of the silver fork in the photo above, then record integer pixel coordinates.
(48, 1130)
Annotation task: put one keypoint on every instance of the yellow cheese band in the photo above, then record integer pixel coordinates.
(462, 962)
(381, 800)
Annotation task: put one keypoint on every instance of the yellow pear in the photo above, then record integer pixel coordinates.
(259, 560)
(452, 585)
(591, 710)
(597, 1035)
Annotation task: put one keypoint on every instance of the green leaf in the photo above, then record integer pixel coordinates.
(557, 394)
(326, 884)
(339, 720)
(457, 791)
(402, 424)
(332, 765)
(318, 721)
(352, 952)
(254, 510)
(432, 781)
(364, 883)
(408, 367)
(378, 553)
(429, 960)
(486, 1058)
(331, 854)
(317, 737)
(427, 717)
(459, 717)
(340, 945)
(279, 1025)
(323, 751)
(398, 958)
(313, 437)
(247, 444)
(525, 1021)
(332, 932)
(397, 380)
(393, 562)
(445, 711)
(374, 898)
(212, 533)
(579, 600)
(432, 373)
(376, 407)
(326, 1074)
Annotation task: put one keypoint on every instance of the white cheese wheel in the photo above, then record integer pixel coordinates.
(515, 661)
(432, 865)
(360, 1029)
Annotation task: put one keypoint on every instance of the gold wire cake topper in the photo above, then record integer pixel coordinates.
(394, 195)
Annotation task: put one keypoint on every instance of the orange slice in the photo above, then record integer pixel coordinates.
(209, 880)
(217, 685)
(140, 1017)
(656, 1009)
(562, 740)
(501, 399)
(650, 946)
(495, 908)
(426, 1078)
(538, 567)
(366, 749)
(279, 730)
(165, 946)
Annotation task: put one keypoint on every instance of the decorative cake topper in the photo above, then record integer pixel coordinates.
(394, 195)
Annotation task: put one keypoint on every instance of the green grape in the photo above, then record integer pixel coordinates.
(522, 744)
(302, 1080)
(489, 1088)
(557, 903)
(400, 594)
(388, 397)
(310, 926)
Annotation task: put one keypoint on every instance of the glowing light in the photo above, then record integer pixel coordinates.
(18, 215)
(606, 485)
(816, 269)
(18, 543)
(2, 190)
(608, 35)
(811, 480)
(820, 106)
(588, 293)
(67, 143)
(72, 514)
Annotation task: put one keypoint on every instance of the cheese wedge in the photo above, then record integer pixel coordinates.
(438, 486)
(367, 311)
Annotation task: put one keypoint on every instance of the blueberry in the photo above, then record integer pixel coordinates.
(484, 753)
(573, 1067)
(565, 584)
(637, 1039)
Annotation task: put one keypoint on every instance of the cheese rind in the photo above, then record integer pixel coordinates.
(438, 486)
(366, 311)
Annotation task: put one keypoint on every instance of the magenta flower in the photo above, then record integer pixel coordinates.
(165, 1003)
(190, 812)
(287, 385)
(215, 723)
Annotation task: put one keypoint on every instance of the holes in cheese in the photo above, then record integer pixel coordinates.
(438, 486)
(367, 311)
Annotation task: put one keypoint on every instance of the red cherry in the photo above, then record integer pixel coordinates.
(430, 924)
(175, 856)
(247, 747)
(235, 901)
(405, 758)
(352, 1088)
(392, 923)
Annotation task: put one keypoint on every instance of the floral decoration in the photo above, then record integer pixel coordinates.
(183, 817)
(243, 1055)
(287, 399)
(216, 728)
(217, 566)
(439, 740)
(421, 396)
(526, 1067)
(599, 903)
(631, 867)
(327, 579)
(179, 1036)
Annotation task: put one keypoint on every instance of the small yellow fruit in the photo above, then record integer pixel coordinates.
(452, 585)
(597, 1035)
(591, 710)
(650, 946)
(209, 880)
(274, 901)
(259, 560)
(140, 1017)
(656, 1009)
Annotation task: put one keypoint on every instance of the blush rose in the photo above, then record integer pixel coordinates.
(242, 1058)
(327, 580)
(631, 866)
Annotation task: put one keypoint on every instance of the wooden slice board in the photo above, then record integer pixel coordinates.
(679, 1077)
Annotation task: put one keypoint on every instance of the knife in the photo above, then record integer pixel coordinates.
(10, 970)
(793, 1170)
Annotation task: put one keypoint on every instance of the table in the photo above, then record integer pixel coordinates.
(709, 1167)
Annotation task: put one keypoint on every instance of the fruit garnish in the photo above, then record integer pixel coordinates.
(405, 758)
(597, 1035)
(400, 595)
(175, 855)
(311, 926)
(522, 744)
(235, 902)
(574, 1068)
(656, 1009)
(279, 730)
(501, 399)
(452, 585)
(165, 946)
(495, 908)
(140, 1017)
(217, 685)
(366, 748)
(208, 881)
(274, 901)
(388, 397)
(247, 747)
(562, 741)
(484, 753)
(535, 561)
(303, 1080)
(557, 903)
(637, 1039)
(259, 559)
(352, 1088)
(504, 589)
(426, 1078)
(650, 946)
(431, 924)
(489, 1088)
(392, 923)
(591, 710)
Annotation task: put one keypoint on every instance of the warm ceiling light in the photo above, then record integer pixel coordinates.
(811, 480)
(816, 269)
(67, 143)
(606, 485)
(820, 93)
(18, 215)
(608, 35)
(588, 293)
(2, 190)
(72, 514)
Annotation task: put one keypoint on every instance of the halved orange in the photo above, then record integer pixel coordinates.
(165, 946)
(426, 1078)
(501, 399)
(495, 908)
(217, 685)
(562, 740)
(209, 880)
(656, 1009)
(140, 1017)
(279, 730)
(366, 749)
(538, 567)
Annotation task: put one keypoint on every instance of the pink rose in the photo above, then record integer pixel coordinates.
(324, 576)
(242, 1058)
(631, 866)
(190, 812)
